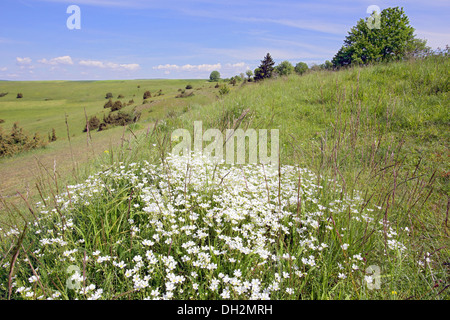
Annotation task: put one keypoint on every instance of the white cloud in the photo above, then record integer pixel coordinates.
(23, 61)
(109, 65)
(58, 60)
(189, 67)
(434, 39)
(3, 69)
(167, 67)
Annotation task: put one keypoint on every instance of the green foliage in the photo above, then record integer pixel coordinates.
(393, 40)
(117, 106)
(249, 74)
(109, 95)
(93, 124)
(108, 104)
(285, 68)
(19, 96)
(265, 70)
(18, 141)
(224, 89)
(328, 65)
(301, 68)
(118, 119)
(214, 76)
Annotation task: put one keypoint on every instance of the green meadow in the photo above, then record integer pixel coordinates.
(64, 106)
(138, 224)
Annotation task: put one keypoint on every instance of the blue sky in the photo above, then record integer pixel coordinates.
(139, 39)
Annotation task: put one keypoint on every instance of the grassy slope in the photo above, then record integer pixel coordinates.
(45, 104)
(382, 130)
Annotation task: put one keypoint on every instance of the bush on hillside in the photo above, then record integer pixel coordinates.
(19, 96)
(147, 94)
(52, 137)
(18, 141)
(184, 94)
(93, 124)
(108, 104)
(117, 106)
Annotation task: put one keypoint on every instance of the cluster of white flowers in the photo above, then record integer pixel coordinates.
(191, 217)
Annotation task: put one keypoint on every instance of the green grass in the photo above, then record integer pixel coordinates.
(374, 141)
(45, 103)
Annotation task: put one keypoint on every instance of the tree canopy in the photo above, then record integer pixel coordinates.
(214, 76)
(264, 71)
(301, 68)
(284, 68)
(390, 38)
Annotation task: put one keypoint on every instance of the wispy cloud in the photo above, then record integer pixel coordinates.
(23, 61)
(65, 60)
(189, 67)
(109, 65)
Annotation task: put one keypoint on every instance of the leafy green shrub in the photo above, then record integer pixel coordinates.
(18, 141)
(301, 68)
(109, 95)
(284, 68)
(93, 124)
(224, 90)
(19, 96)
(214, 76)
(109, 104)
(118, 119)
(117, 106)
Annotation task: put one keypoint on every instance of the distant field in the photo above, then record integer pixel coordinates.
(45, 105)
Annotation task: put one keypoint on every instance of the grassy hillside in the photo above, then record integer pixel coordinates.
(45, 105)
(357, 209)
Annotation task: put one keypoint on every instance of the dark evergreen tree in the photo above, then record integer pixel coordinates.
(265, 70)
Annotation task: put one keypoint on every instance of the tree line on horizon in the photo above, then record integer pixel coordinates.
(382, 37)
